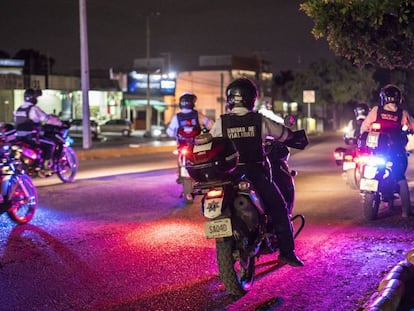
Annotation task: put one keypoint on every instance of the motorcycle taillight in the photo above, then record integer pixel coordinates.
(215, 193)
(184, 151)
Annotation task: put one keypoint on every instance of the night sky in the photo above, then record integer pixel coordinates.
(274, 29)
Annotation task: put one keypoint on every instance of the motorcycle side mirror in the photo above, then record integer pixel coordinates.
(289, 121)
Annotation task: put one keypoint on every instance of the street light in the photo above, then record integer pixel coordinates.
(149, 108)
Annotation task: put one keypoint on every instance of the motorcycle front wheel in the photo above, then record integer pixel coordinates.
(353, 178)
(22, 195)
(371, 202)
(68, 165)
(236, 274)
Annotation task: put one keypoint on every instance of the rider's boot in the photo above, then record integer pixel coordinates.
(47, 167)
(405, 198)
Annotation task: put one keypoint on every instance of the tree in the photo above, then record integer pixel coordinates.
(336, 84)
(367, 32)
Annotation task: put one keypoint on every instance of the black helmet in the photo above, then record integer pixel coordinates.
(361, 111)
(390, 94)
(241, 93)
(187, 100)
(31, 95)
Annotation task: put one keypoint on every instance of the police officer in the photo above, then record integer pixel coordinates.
(28, 118)
(354, 125)
(248, 129)
(189, 120)
(393, 118)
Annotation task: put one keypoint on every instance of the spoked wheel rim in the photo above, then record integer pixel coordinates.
(23, 200)
(68, 166)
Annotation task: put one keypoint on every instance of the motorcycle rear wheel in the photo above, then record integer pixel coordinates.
(23, 198)
(68, 165)
(371, 202)
(236, 274)
(188, 190)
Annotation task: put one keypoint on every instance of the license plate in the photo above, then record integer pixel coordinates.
(219, 228)
(372, 139)
(349, 165)
(368, 184)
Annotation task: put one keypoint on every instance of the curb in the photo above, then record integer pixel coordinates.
(115, 152)
(146, 148)
(392, 287)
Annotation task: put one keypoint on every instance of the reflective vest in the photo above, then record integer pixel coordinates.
(22, 120)
(188, 127)
(391, 122)
(246, 133)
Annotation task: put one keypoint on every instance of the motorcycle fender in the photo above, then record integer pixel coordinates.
(184, 172)
(5, 185)
(212, 207)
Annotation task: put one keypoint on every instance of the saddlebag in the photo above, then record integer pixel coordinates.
(212, 160)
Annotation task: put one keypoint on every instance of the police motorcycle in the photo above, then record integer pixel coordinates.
(347, 159)
(18, 197)
(236, 217)
(277, 157)
(65, 162)
(185, 142)
(378, 184)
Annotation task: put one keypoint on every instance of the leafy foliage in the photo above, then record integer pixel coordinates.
(367, 32)
(335, 82)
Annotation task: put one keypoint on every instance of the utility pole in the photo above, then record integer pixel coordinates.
(149, 107)
(86, 133)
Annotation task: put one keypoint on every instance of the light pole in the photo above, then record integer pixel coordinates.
(87, 142)
(149, 107)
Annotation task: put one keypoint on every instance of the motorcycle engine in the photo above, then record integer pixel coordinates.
(245, 214)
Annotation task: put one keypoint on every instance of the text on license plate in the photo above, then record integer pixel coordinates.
(368, 184)
(349, 165)
(219, 228)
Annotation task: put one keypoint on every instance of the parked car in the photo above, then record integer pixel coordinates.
(117, 126)
(76, 128)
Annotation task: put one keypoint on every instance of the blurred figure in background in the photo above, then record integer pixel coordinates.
(29, 119)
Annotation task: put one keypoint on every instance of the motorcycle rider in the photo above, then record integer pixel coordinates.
(354, 125)
(248, 130)
(189, 119)
(29, 119)
(393, 118)
(187, 124)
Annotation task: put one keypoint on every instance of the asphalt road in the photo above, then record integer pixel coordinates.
(122, 239)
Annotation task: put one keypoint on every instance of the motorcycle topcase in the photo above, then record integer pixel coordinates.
(213, 159)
